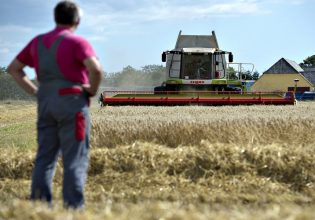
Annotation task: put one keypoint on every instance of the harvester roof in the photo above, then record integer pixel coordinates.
(198, 50)
(193, 41)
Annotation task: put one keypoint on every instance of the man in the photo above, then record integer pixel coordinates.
(68, 73)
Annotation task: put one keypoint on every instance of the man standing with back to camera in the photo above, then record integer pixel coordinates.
(69, 74)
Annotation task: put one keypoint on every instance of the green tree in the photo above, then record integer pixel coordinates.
(247, 76)
(148, 76)
(255, 75)
(128, 77)
(308, 62)
(3, 70)
(231, 73)
(154, 74)
(152, 68)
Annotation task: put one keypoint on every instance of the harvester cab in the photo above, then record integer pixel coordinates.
(198, 73)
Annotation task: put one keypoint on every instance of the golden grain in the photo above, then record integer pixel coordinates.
(177, 163)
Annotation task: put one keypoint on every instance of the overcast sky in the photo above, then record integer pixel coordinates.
(135, 32)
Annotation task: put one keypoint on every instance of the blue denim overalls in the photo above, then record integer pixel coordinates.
(63, 128)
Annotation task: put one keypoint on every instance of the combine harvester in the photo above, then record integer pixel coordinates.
(197, 74)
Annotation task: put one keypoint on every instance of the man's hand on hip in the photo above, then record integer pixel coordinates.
(95, 75)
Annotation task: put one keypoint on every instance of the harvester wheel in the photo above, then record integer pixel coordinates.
(159, 90)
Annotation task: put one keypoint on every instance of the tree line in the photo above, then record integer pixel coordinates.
(129, 77)
(247, 75)
(9, 90)
(146, 76)
(149, 75)
(308, 62)
(3, 70)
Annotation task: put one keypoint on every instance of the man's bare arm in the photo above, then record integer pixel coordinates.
(95, 75)
(17, 72)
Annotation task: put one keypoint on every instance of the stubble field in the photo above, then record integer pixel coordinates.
(242, 162)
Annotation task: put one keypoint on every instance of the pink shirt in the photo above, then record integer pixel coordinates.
(71, 53)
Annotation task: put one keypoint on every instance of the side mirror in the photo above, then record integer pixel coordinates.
(163, 57)
(230, 58)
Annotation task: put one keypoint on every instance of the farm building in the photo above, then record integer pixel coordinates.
(281, 76)
(309, 74)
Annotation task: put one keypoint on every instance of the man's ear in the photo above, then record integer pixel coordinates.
(77, 23)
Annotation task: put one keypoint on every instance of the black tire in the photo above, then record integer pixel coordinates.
(159, 90)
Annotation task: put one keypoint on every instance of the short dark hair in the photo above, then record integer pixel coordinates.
(67, 13)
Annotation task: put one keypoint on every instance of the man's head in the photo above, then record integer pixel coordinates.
(67, 13)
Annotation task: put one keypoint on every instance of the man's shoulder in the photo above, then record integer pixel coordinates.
(76, 39)
(36, 38)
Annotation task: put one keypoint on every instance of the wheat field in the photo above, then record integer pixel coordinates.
(193, 162)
